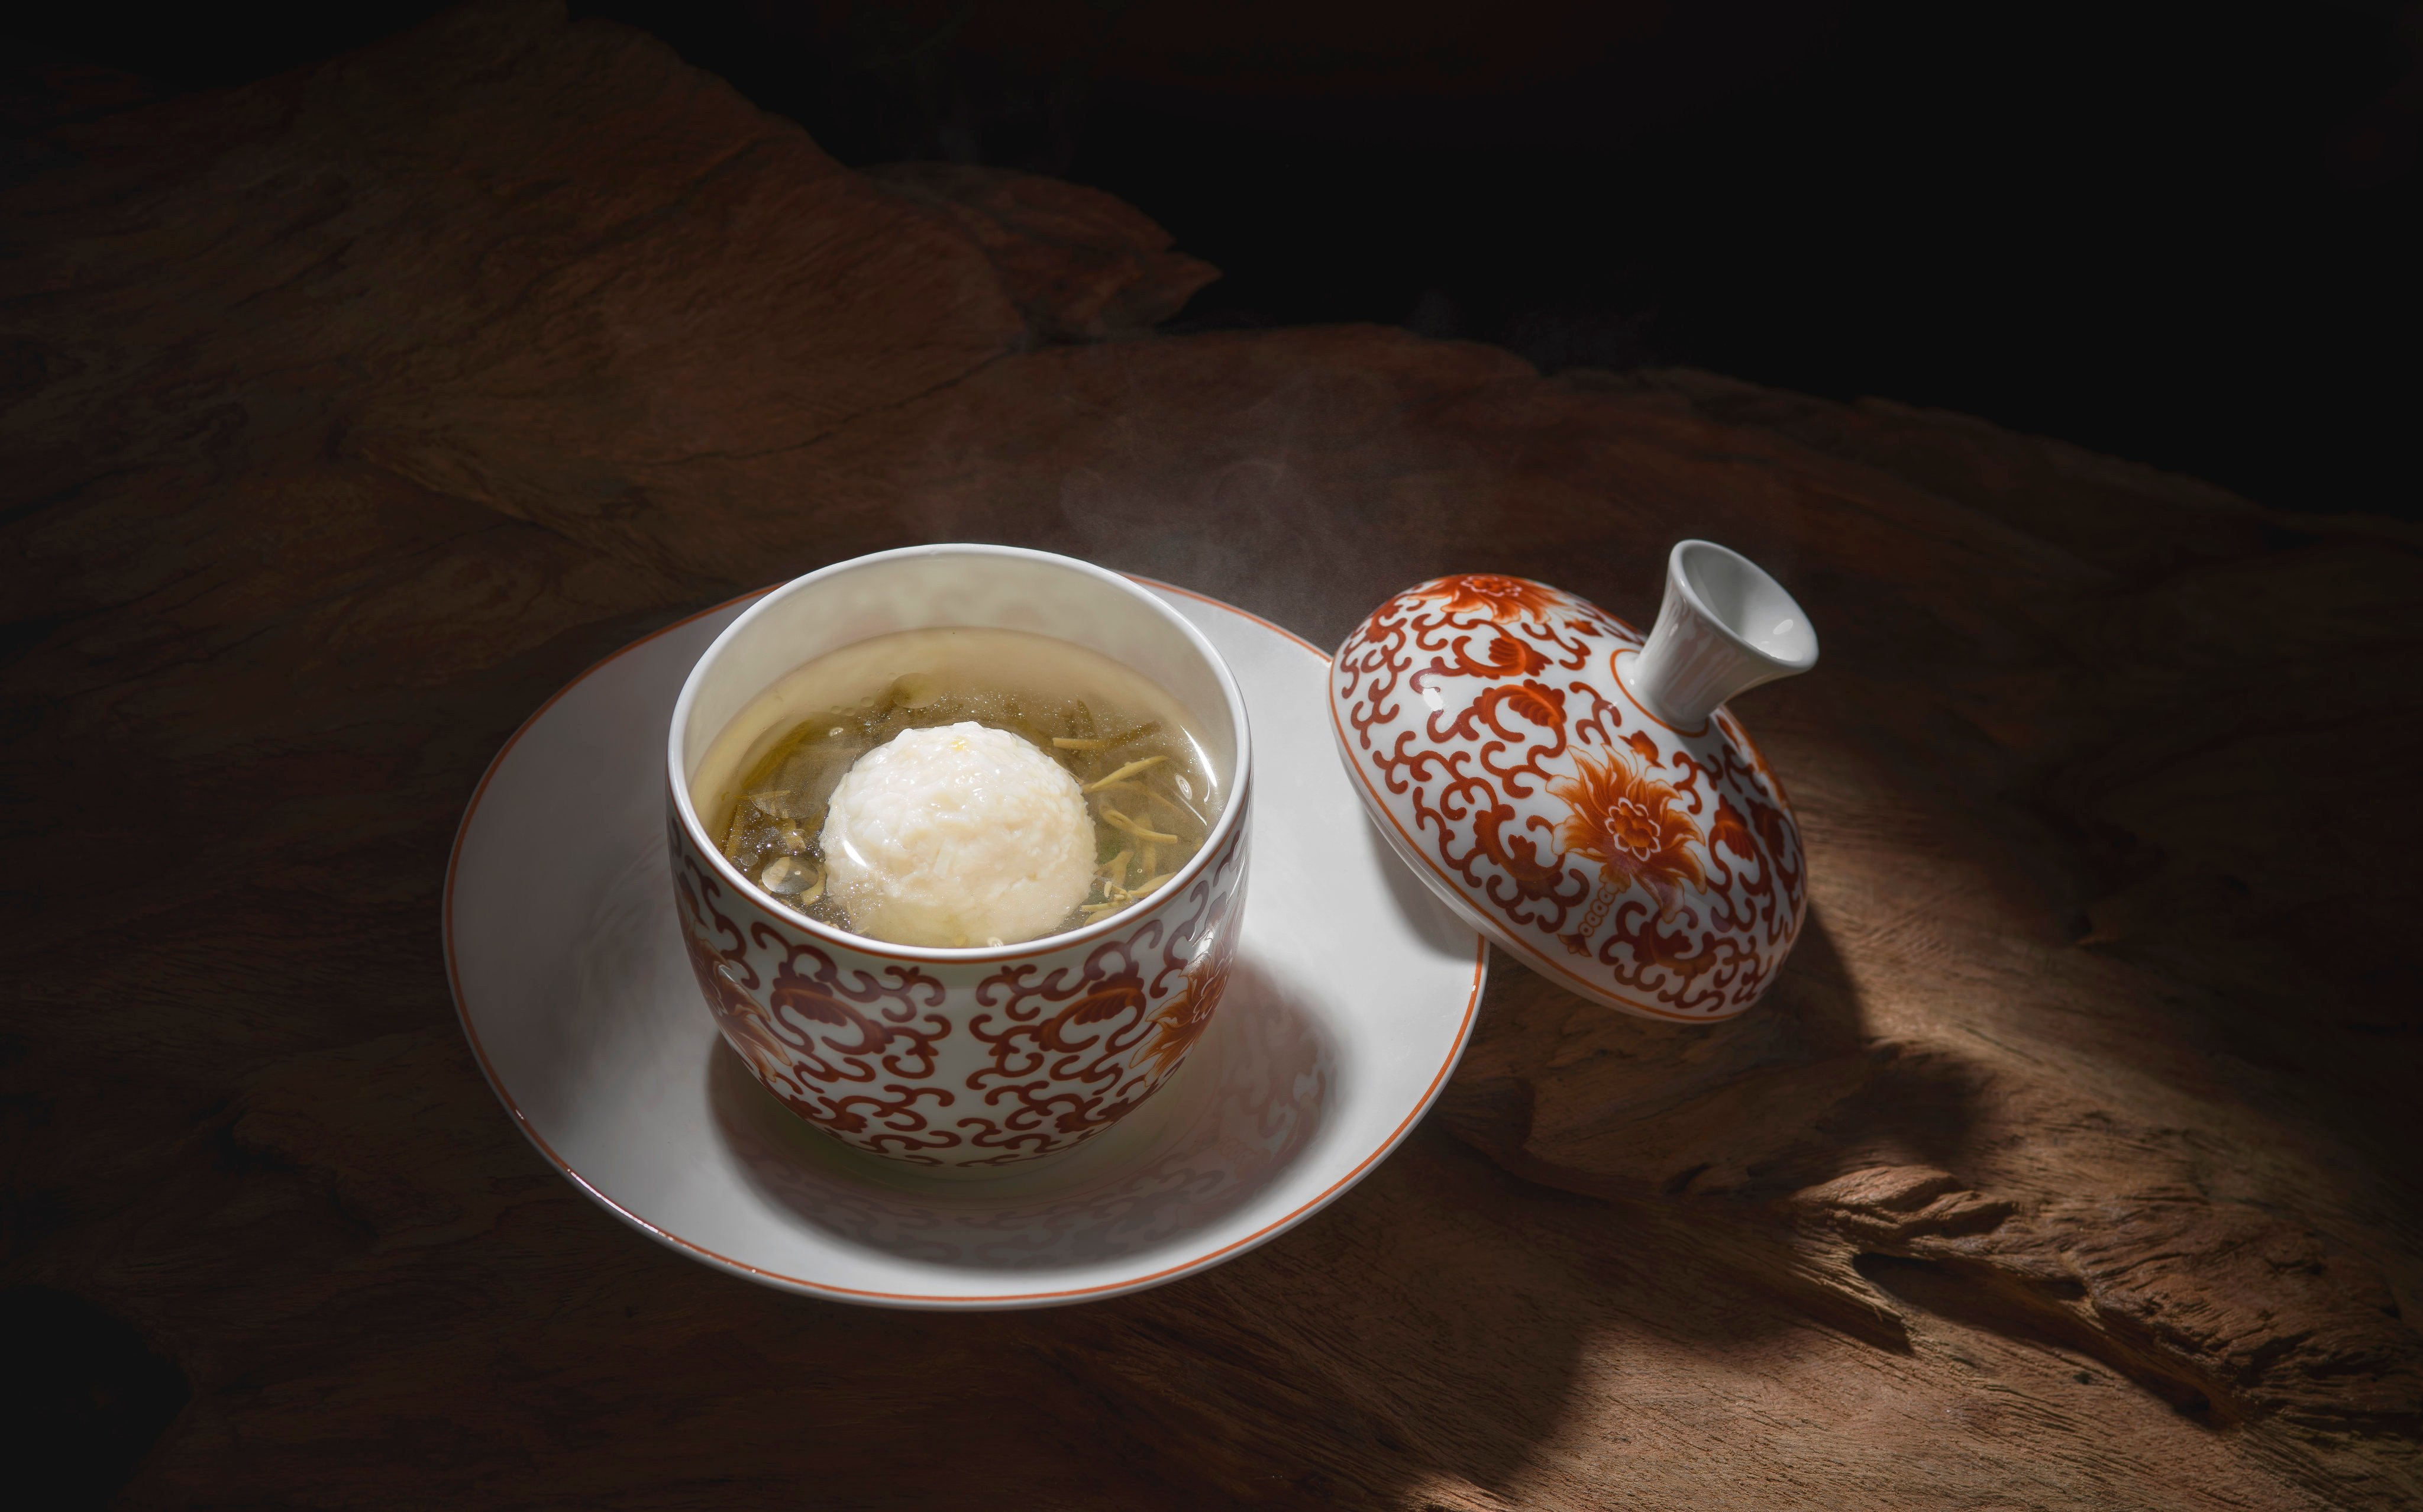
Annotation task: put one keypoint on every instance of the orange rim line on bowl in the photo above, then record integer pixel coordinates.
(463, 1016)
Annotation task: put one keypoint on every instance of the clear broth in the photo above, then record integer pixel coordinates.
(1142, 764)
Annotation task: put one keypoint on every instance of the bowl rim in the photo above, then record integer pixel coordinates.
(1231, 812)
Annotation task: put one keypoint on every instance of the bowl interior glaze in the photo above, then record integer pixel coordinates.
(928, 587)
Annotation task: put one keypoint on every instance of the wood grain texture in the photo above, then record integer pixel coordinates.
(2072, 1163)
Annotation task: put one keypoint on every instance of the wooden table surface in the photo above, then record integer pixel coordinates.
(2072, 1163)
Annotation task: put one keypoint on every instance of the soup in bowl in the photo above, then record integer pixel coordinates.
(958, 842)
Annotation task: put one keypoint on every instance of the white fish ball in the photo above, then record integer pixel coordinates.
(956, 836)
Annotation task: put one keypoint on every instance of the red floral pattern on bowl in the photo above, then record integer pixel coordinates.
(1575, 794)
(962, 1064)
(964, 1057)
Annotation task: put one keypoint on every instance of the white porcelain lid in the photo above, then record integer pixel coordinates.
(1579, 796)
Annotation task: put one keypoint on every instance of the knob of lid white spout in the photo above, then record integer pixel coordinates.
(1724, 627)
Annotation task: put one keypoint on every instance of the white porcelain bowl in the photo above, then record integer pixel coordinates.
(963, 1060)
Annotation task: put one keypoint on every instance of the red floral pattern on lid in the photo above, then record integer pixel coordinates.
(1486, 725)
(1500, 598)
(1631, 824)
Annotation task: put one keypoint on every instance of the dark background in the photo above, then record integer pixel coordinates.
(2173, 234)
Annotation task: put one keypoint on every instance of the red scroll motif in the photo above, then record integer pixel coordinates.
(986, 1061)
(844, 1049)
(1484, 716)
(1182, 1022)
(1074, 1051)
(1505, 656)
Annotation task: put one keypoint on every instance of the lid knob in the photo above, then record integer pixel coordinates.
(1724, 627)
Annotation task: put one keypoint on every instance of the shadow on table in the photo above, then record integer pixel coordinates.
(1792, 1094)
(1611, 1195)
(1450, 1321)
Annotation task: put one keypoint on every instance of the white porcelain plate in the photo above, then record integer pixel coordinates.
(1349, 1002)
